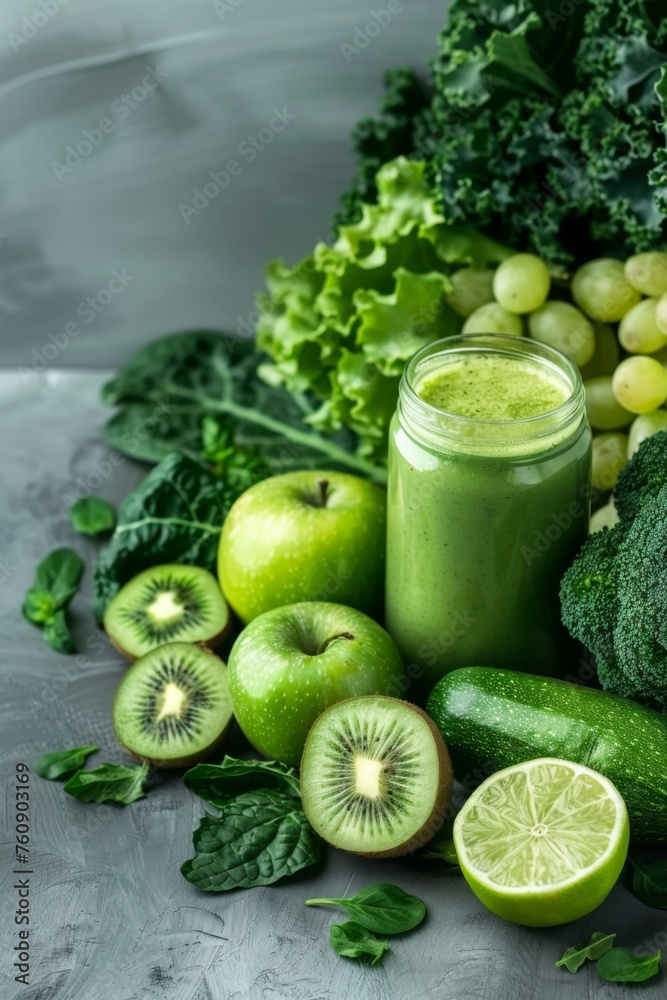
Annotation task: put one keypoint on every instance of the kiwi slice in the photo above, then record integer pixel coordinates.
(167, 604)
(173, 706)
(376, 777)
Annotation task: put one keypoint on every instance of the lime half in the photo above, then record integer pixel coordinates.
(542, 843)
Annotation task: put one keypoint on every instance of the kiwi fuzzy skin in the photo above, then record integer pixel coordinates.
(436, 819)
(211, 643)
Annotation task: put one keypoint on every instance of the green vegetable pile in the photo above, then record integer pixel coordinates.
(613, 597)
(343, 322)
(546, 126)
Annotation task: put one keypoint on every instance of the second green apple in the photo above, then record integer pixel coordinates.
(304, 536)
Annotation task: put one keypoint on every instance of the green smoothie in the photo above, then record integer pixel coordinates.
(489, 465)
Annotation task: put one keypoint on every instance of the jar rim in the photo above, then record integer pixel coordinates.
(480, 430)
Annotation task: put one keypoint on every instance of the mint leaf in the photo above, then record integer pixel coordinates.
(382, 907)
(109, 783)
(621, 966)
(590, 950)
(260, 837)
(219, 784)
(354, 941)
(92, 516)
(57, 635)
(649, 883)
(62, 763)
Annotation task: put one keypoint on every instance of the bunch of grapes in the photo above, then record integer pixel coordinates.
(611, 321)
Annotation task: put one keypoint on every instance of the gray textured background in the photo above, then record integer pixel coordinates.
(225, 72)
(113, 919)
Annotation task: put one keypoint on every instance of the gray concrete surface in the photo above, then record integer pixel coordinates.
(111, 916)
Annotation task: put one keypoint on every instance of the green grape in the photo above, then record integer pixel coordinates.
(610, 454)
(563, 326)
(647, 272)
(607, 354)
(521, 283)
(471, 290)
(604, 517)
(638, 331)
(644, 426)
(661, 356)
(661, 313)
(492, 318)
(601, 289)
(640, 384)
(604, 411)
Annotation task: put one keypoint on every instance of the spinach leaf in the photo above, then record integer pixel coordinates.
(57, 580)
(649, 883)
(92, 516)
(382, 907)
(621, 966)
(219, 784)
(595, 948)
(59, 574)
(354, 941)
(62, 763)
(109, 783)
(260, 837)
(174, 516)
(441, 850)
(57, 635)
(168, 387)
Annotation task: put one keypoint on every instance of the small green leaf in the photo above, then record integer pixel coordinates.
(441, 850)
(38, 606)
(219, 784)
(260, 837)
(92, 516)
(382, 907)
(57, 635)
(649, 883)
(354, 941)
(62, 763)
(109, 783)
(60, 574)
(592, 950)
(621, 966)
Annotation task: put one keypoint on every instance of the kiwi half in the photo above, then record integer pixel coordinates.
(173, 706)
(376, 777)
(169, 603)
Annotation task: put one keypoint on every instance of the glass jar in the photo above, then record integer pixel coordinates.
(483, 518)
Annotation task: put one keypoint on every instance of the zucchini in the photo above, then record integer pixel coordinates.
(492, 718)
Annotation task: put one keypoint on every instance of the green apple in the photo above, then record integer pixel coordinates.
(304, 536)
(292, 663)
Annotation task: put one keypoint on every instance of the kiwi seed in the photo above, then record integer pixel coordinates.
(376, 776)
(173, 706)
(163, 604)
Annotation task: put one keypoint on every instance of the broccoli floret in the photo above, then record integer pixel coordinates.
(614, 596)
(642, 478)
(589, 593)
(639, 667)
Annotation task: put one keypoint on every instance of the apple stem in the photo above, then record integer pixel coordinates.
(327, 642)
(324, 486)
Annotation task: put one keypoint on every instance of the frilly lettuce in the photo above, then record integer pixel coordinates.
(343, 322)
